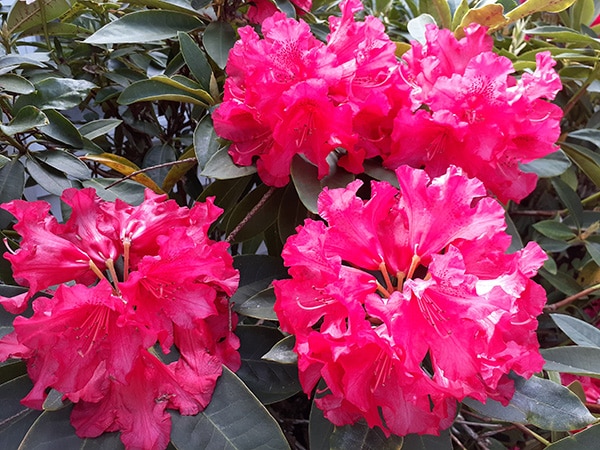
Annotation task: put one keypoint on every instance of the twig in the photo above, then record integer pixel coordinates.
(571, 299)
(147, 169)
(532, 433)
(250, 214)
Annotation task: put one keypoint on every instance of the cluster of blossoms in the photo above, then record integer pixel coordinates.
(407, 303)
(445, 102)
(133, 282)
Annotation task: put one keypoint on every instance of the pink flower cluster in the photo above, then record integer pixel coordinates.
(133, 281)
(407, 303)
(446, 102)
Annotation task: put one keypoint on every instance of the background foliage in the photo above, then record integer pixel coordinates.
(118, 96)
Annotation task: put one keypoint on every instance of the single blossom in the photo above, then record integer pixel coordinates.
(140, 277)
(408, 302)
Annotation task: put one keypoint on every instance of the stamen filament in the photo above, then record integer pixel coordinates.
(96, 270)
(126, 248)
(414, 263)
(383, 291)
(113, 274)
(386, 276)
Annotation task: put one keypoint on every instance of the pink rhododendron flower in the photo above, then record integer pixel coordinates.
(139, 276)
(591, 386)
(407, 303)
(259, 10)
(468, 110)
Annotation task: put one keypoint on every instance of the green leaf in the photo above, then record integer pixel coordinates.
(439, 9)
(12, 184)
(587, 134)
(144, 26)
(23, 16)
(233, 420)
(195, 59)
(580, 332)
(222, 167)
(283, 351)
(47, 176)
(226, 193)
(178, 171)
(428, 442)
(376, 171)
(218, 39)
(256, 273)
(259, 306)
(304, 175)
(15, 419)
(262, 219)
(65, 162)
(319, 428)
(97, 128)
(128, 191)
(555, 230)
(587, 160)
(593, 249)
(15, 84)
(551, 165)
(163, 88)
(525, 10)
(56, 93)
(360, 436)
(155, 156)
(570, 199)
(543, 403)
(269, 381)
(574, 359)
(26, 119)
(584, 440)
(62, 130)
(205, 141)
(54, 401)
(292, 213)
(563, 35)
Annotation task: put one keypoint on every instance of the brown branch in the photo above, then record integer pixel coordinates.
(571, 299)
(250, 214)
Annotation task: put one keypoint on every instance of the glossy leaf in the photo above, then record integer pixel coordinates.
(269, 381)
(222, 167)
(23, 16)
(360, 436)
(195, 59)
(227, 193)
(564, 35)
(580, 332)
(292, 213)
(144, 26)
(256, 273)
(551, 165)
(570, 199)
(439, 9)
(583, 440)
(206, 143)
(128, 191)
(554, 230)
(233, 420)
(218, 39)
(47, 176)
(62, 130)
(259, 306)
(15, 84)
(12, 184)
(573, 359)
(65, 162)
(56, 93)
(533, 6)
(26, 119)
(15, 419)
(97, 128)
(283, 351)
(428, 442)
(586, 160)
(178, 171)
(163, 88)
(490, 16)
(124, 167)
(155, 156)
(319, 428)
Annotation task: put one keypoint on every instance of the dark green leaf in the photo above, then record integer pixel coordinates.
(584, 440)
(11, 369)
(65, 162)
(144, 26)
(179, 171)
(292, 213)
(12, 183)
(551, 165)
(428, 442)
(588, 135)
(495, 410)
(375, 170)
(360, 436)
(62, 130)
(283, 351)
(54, 401)
(23, 16)
(218, 39)
(575, 359)
(226, 193)
(304, 175)
(233, 420)
(128, 191)
(593, 249)
(580, 332)
(439, 9)
(319, 428)
(56, 93)
(162, 88)
(15, 84)
(15, 419)
(587, 160)
(222, 167)
(156, 155)
(564, 35)
(195, 60)
(97, 128)
(516, 243)
(47, 176)
(259, 306)
(269, 381)
(561, 281)
(28, 118)
(555, 230)
(570, 199)
(205, 141)
(256, 273)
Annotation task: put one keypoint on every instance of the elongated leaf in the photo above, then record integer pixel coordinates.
(65, 162)
(23, 16)
(62, 130)
(564, 35)
(15, 84)
(233, 420)
(490, 15)
(428, 442)
(26, 119)
(525, 10)
(555, 230)
(551, 165)
(155, 156)
(283, 351)
(97, 128)
(259, 306)
(124, 167)
(128, 191)
(439, 9)
(360, 436)
(292, 213)
(319, 428)
(157, 88)
(575, 359)
(218, 38)
(56, 93)
(226, 193)
(570, 199)
(256, 273)
(222, 167)
(15, 419)
(584, 440)
(195, 59)
(12, 184)
(580, 332)
(586, 160)
(47, 176)
(587, 134)
(177, 172)
(269, 381)
(206, 143)
(144, 26)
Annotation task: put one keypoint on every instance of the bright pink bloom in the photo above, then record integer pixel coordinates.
(259, 10)
(591, 386)
(407, 302)
(468, 110)
(144, 275)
